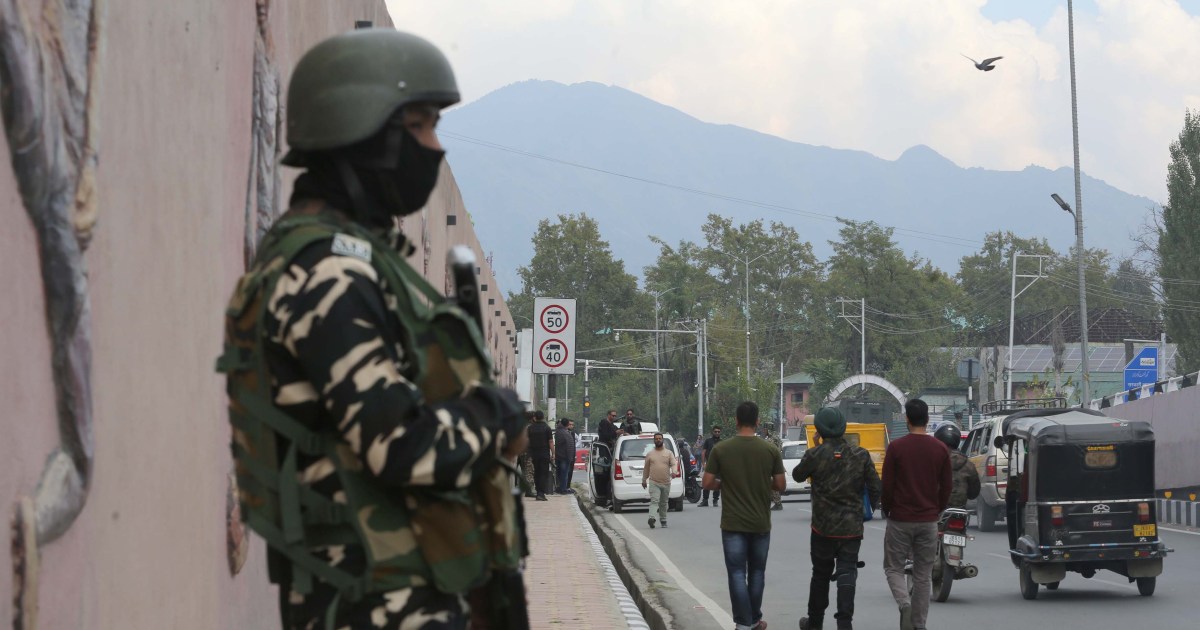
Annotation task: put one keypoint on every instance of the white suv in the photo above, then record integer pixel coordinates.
(626, 472)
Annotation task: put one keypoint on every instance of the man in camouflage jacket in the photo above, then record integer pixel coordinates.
(840, 472)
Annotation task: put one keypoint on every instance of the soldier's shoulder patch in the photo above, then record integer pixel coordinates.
(346, 245)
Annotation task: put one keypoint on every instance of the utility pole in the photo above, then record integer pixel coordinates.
(861, 329)
(1083, 316)
(701, 340)
(746, 261)
(1012, 309)
(657, 381)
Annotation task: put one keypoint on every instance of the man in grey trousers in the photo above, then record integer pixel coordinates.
(917, 481)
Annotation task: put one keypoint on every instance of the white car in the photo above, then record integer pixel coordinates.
(792, 452)
(626, 472)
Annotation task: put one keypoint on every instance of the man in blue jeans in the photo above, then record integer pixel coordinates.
(749, 468)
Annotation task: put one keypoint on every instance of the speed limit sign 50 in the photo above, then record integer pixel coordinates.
(554, 336)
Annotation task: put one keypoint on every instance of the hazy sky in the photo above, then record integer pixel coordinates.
(875, 75)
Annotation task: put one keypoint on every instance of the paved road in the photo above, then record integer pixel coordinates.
(685, 564)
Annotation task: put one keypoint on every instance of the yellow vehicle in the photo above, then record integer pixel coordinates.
(873, 437)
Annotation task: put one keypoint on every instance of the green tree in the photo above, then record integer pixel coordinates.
(909, 303)
(571, 260)
(1179, 244)
(826, 374)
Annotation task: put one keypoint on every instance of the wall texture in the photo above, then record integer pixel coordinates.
(180, 156)
(1176, 420)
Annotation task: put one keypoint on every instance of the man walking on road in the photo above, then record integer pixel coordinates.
(705, 451)
(660, 463)
(839, 472)
(540, 452)
(916, 488)
(748, 469)
(564, 454)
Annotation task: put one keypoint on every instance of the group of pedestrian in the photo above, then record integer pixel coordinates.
(548, 461)
(919, 476)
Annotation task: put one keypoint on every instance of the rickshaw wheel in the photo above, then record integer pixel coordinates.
(1029, 588)
(1146, 586)
(1053, 586)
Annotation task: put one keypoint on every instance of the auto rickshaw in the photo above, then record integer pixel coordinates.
(1080, 497)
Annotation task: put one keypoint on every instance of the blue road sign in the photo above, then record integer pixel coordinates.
(1143, 369)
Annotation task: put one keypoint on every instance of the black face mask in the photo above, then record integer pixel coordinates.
(404, 175)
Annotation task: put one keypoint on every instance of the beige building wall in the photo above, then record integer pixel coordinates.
(174, 140)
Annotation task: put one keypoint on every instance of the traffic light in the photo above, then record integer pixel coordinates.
(587, 406)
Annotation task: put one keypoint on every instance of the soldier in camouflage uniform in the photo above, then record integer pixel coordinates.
(839, 473)
(773, 437)
(373, 452)
(526, 462)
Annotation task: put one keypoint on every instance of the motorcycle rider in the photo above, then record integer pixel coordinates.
(966, 478)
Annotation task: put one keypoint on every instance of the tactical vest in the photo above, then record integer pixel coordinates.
(412, 537)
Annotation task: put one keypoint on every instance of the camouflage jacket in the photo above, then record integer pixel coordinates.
(400, 442)
(839, 474)
(966, 480)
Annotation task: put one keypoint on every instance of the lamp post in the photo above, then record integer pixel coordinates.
(1083, 318)
(1078, 213)
(746, 261)
(657, 372)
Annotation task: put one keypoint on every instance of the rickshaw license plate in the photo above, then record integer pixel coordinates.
(954, 539)
(1144, 530)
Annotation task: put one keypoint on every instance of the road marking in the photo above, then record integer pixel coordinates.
(996, 555)
(1179, 531)
(723, 618)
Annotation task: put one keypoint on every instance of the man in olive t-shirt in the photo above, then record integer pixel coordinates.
(748, 468)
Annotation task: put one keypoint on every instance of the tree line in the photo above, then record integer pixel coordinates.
(912, 308)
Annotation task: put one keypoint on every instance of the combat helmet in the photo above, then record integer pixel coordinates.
(346, 88)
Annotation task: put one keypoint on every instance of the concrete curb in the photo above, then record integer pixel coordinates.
(629, 608)
(1177, 512)
(654, 613)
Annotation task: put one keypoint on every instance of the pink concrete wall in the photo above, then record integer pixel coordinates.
(148, 550)
(1176, 420)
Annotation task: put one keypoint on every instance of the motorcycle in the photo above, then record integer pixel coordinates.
(949, 564)
(691, 486)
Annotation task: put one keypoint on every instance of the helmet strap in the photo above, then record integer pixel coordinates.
(364, 209)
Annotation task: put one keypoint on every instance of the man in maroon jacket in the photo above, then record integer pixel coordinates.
(917, 482)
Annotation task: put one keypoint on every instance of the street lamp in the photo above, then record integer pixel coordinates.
(746, 261)
(1078, 213)
(657, 372)
(1083, 318)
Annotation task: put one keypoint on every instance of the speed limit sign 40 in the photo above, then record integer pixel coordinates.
(554, 336)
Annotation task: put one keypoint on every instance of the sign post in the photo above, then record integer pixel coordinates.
(554, 336)
(1143, 369)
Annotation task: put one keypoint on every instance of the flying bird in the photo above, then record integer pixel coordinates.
(986, 64)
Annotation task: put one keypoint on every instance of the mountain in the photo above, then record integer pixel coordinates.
(642, 168)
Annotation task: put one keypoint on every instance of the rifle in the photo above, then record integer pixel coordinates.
(503, 595)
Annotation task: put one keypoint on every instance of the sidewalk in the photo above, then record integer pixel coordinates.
(567, 586)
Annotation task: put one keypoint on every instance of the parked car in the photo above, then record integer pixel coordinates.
(625, 474)
(793, 450)
(581, 458)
